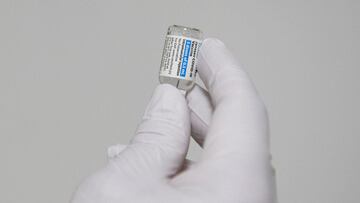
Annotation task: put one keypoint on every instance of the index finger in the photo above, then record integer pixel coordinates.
(240, 122)
(236, 149)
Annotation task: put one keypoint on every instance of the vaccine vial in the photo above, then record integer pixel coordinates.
(179, 58)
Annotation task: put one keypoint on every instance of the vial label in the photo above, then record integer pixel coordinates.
(179, 57)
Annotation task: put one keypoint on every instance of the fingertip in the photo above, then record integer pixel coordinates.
(168, 89)
(212, 41)
(213, 57)
(167, 103)
(212, 46)
(162, 137)
(168, 93)
(212, 50)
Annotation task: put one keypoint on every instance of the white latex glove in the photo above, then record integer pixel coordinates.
(231, 124)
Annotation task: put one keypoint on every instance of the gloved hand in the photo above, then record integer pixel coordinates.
(230, 123)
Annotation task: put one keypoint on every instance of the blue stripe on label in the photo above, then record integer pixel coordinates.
(185, 58)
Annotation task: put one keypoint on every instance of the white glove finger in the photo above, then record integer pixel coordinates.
(162, 139)
(236, 150)
(200, 113)
(239, 125)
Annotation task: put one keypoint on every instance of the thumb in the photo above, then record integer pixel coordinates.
(161, 141)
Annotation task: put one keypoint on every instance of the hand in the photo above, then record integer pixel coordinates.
(230, 123)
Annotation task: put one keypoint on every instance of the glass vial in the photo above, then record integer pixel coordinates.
(179, 58)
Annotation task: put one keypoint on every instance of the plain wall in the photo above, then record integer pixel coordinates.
(76, 75)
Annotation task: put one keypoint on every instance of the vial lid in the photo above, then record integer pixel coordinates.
(180, 30)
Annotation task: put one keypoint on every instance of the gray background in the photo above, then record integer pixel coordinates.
(75, 77)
